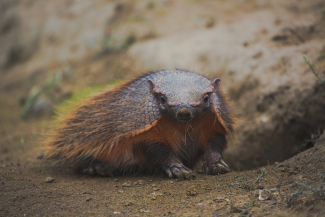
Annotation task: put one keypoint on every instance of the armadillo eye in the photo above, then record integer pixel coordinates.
(162, 99)
(206, 98)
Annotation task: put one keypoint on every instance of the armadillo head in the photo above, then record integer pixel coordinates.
(182, 95)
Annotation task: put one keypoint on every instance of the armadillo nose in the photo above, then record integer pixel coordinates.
(184, 114)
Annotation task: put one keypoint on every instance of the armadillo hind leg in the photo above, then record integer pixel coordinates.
(162, 155)
(101, 169)
(89, 165)
(212, 156)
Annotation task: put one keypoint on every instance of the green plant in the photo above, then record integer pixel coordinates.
(312, 68)
(313, 139)
(318, 191)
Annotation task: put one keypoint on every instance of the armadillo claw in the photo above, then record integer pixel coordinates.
(169, 173)
(179, 171)
(219, 167)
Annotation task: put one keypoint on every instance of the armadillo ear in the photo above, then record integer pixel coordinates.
(216, 83)
(151, 86)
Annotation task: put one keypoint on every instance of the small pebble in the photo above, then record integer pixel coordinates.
(49, 180)
(126, 184)
(41, 156)
(202, 204)
(128, 204)
(245, 212)
(264, 194)
(145, 211)
(191, 192)
(234, 209)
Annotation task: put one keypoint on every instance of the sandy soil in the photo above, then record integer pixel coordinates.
(255, 47)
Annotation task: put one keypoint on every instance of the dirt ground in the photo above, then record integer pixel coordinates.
(26, 193)
(65, 50)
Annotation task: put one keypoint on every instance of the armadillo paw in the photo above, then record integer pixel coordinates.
(179, 171)
(99, 169)
(218, 167)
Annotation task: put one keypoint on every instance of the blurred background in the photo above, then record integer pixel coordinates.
(57, 52)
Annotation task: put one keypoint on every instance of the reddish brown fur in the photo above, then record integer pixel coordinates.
(166, 132)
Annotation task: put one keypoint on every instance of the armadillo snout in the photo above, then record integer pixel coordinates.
(184, 113)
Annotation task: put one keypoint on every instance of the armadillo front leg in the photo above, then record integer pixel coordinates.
(162, 155)
(212, 155)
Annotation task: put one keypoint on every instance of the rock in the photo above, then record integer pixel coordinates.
(126, 184)
(191, 192)
(49, 180)
(41, 156)
(293, 172)
(41, 107)
(245, 212)
(234, 209)
(145, 211)
(157, 193)
(264, 194)
(219, 199)
(128, 204)
(202, 204)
